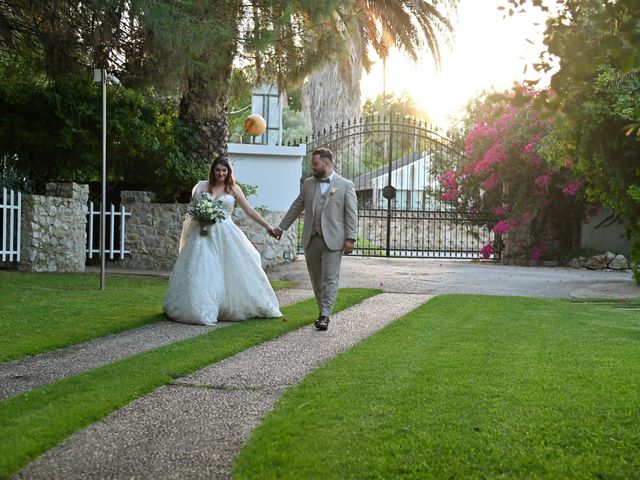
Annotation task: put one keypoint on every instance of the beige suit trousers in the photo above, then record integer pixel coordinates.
(324, 270)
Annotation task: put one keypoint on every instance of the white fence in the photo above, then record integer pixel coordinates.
(115, 236)
(11, 209)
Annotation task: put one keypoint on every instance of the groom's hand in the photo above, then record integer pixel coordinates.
(347, 248)
(277, 233)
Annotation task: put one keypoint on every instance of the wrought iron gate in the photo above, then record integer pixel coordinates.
(394, 164)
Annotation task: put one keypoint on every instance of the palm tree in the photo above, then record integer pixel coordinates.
(281, 39)
(332, 93)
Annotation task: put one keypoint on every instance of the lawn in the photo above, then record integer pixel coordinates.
(38, 420)
(467, 387)
(42, 312)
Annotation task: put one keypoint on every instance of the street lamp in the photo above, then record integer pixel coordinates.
(101, 76)
(386, 42)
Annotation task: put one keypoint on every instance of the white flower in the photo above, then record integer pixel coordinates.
(333, 190)
(206, 209)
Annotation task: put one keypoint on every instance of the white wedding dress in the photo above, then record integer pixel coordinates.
(218, 276)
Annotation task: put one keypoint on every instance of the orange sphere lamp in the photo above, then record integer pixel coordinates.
(255, 125)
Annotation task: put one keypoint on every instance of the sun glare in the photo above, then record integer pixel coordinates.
(489, 52)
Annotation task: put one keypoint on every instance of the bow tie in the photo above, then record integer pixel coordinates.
(324, 180)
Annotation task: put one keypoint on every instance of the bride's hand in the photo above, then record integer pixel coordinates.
(274, 232)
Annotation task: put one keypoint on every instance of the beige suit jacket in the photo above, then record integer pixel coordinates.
(339, 215)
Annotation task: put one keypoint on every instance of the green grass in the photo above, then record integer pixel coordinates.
(467, 387)
(33, 422)
(631, 304)
(42, 312)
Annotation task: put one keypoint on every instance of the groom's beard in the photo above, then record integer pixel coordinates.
(320, 174)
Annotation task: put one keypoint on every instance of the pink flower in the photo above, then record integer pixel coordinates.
(450, 195)
(487, 250)
(495, 154)
(537, 252)
(542, 181)
(491, 182)
(501, 227)
(572, 188)
(448, 179)
(530, 147)
(503, 123)
(502, 210)
(480, 130)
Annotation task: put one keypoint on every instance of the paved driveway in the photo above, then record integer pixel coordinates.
(453, 276)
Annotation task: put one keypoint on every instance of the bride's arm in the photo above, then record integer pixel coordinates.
(189, 223)
(197, 189)
(242, 202)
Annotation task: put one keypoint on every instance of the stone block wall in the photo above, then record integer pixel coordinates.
(271, 250)
(54, 228)
(153, 233)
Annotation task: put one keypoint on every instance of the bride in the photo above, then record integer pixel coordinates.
(219, 276)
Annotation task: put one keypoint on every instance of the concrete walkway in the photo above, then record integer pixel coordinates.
(24, 375)
(193, 428)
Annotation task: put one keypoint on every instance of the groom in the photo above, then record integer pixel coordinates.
(331, 222)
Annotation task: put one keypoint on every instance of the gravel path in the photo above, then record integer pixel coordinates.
(24, 375)
(194, 428)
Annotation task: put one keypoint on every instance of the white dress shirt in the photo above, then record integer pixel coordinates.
(325, 186)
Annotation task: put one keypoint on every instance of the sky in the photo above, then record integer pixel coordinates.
(489, 51)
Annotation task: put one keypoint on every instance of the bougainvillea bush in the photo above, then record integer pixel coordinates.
(537, 206)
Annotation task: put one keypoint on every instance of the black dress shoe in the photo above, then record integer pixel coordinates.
(322, 323)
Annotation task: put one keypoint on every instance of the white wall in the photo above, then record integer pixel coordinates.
(275, 170)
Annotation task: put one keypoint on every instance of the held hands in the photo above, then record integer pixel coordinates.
(347, 248)
(275, 232)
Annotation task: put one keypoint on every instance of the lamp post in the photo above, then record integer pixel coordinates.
(100, 75)
(384, 85)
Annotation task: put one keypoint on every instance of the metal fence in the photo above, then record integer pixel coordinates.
(115, 231)
(11, 211)
(395, 164)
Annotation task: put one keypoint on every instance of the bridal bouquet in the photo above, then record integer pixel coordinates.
(207, 211)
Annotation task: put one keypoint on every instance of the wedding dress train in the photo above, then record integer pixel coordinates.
(218, 276)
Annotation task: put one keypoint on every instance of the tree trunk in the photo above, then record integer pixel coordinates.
(331, 97)
(203, 107)
(205, 92)
(331, 94)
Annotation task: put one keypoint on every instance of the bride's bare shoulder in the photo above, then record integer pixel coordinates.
(236, 190)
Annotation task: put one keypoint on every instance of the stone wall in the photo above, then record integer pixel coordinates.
(54, 229)
(153, 233)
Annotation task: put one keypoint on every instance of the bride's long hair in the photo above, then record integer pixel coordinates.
(229, 180)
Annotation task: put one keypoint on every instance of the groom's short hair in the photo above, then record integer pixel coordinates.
(324, 153)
